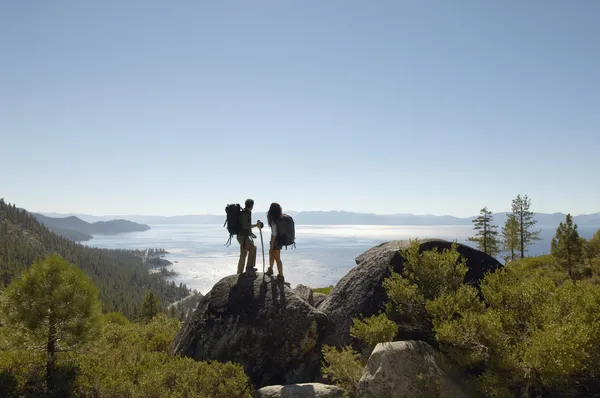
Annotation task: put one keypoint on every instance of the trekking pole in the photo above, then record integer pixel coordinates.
(263, 248)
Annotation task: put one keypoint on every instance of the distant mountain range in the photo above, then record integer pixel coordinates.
(76, 229)
(343, 218)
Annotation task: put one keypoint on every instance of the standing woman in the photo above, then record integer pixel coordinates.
(273, 217)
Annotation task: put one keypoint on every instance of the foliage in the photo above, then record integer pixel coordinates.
(120, 275)
(510, 237)
(55, 305)
(525, 220)
(487, 233)
(424, 277)
(567, 246)
(324, 290)
(342, 367)
(530, 335)
(150, 306)
(374, 330)
(127, 360)
(592, 247)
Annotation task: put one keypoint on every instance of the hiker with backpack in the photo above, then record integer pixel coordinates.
(239, 223)
(282, 234)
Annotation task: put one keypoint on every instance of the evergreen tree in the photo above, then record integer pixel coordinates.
(150, 306)
(172, 311)
(487, 233)
(592, 247)
(520, 210)
(566, 246)
(55, 305)
(510, 237)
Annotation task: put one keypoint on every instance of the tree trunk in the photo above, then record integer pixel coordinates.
(51, 351)
(485, 237)
(522, 236)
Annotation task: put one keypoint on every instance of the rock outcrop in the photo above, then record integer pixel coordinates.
(409, 369)
(312, 298)
(318, 299)
(260, 323)
(306, 293)
(306, 390)
(361, 292)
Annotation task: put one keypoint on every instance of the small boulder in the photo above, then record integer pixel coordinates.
(260, 323)
(409, 369)
(306, 390)
(318, 299)
(361, 293)
(306, 293)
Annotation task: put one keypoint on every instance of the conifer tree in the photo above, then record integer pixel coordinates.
(510, 237)
(567, 247)
(524, 217)
(150, 306)
(487, 233)
(55, 305)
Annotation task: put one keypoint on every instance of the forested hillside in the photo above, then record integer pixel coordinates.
(120, 276)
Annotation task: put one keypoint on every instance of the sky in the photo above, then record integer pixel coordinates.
(426, 107)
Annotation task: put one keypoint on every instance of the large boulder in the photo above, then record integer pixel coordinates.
(312, 298)
(360, 292)
(260, 323)
(306, 390)
(409, 369)
(318, 299)
(306, 293)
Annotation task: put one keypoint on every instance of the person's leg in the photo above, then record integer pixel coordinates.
(251, 247)
(243, 252)
(271, 262)
(277, 256)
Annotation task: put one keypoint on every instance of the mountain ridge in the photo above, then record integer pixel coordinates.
(336, 217)
(76, 229)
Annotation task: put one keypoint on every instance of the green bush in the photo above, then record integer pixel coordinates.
(132, 360)
(425, 276)
(374, 330)
(530, 335)
(342, 367)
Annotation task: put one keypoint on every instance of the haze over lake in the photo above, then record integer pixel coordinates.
(322, 256)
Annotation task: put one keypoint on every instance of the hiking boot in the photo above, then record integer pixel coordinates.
(269, 272)
(251, 271)
(280, 277)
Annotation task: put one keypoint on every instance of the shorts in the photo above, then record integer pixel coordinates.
(277, 245)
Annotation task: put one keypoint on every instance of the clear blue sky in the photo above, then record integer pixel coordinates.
(147, 107)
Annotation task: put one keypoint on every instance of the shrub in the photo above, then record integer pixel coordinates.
(342, 367)
(374, 330)
(530, 335)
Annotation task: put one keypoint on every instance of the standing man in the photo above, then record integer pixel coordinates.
(247, 246)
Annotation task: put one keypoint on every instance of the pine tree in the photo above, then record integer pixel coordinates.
(567, 247)
(150, 306)
(487, 233)
(510, 237)
(520, 210)
(55, 305)
(592, 247)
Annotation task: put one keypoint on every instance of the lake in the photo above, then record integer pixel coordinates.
(322, 256)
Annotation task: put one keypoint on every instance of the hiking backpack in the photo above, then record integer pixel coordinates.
(286, 233)
(232, 221)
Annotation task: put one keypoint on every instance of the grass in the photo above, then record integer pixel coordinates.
(324, 290)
